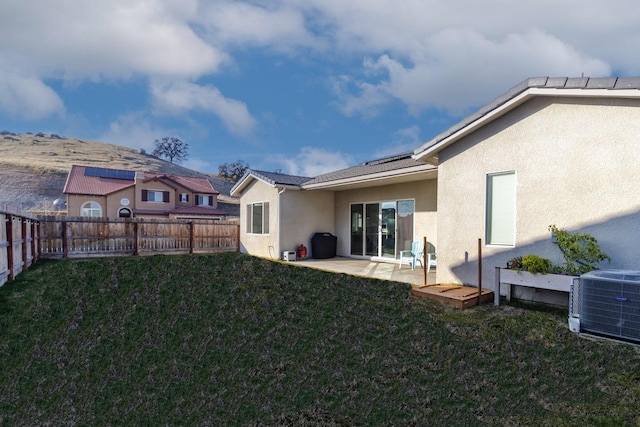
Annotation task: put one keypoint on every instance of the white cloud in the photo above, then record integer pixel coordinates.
(134, 130)
(447, 83)
(276, 26)
(312, 162)
(76, 39)
(359, 97)
(448, 55)
(181, 97)
(28, 97)
(404, 141)
(453, 54)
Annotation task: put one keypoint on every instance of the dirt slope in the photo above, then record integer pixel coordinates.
(34, 168)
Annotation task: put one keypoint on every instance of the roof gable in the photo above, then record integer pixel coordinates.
(608, 87)
(273, 179)
(192, 183)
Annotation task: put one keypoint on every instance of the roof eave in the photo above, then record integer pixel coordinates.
(396, 173)
(429, 154)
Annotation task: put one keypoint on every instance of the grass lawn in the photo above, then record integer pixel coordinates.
(230, 339)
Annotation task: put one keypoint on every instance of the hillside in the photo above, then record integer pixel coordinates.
(33, 168)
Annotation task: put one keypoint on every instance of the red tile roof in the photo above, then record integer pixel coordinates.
(78, 183)
(191, 183)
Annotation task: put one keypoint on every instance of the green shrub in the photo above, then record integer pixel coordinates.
(581, 251)
(536, 264)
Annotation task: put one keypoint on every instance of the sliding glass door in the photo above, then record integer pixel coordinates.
(381, 229)
(372, 220)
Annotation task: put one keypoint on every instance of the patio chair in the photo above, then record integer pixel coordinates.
(431, 256)
(414, 255)
(431, 261)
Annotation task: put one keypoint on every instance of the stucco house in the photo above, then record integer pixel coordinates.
(115, 193)
(375, 209)
(561, 151)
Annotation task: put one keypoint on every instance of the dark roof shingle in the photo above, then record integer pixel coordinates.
(386, 164)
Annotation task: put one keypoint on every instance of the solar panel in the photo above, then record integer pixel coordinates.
(109, 173)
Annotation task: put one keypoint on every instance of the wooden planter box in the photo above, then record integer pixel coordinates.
(553, 282)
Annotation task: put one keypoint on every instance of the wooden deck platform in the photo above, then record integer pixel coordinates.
(457, 296)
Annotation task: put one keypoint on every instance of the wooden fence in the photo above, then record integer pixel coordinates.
(18, 244)
(24, 239)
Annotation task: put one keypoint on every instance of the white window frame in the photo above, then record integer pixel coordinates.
(204, 200)
(184, 197)
(263, 227)
(91, 209)
(153, 194)
(500, 209)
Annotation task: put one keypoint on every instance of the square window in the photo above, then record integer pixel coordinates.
(258, 218)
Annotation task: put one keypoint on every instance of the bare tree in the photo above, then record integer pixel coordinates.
(172, 149)
(233, 171)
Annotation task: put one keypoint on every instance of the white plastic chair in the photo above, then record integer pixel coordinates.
(431, 261)
(412, 256)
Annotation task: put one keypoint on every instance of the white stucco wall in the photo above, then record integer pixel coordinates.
(264, 245)
(423, 192)
(576, 164)
(304, 213)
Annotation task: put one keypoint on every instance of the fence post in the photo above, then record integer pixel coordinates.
(238, 237)
(39, 239)
(135, 238)
(191, 237)
(34, 255)
(65, 243)
(25, 248)
(9, 226)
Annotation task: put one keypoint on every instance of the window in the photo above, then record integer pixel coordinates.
(184, 197)
(258, 218)
(124, 213)
(91, 209)
(204, 200)
(155, 196)
(501, 209)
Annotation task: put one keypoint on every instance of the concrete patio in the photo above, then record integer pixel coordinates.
(368, 268)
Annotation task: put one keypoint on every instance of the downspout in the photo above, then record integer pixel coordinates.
(279, 225)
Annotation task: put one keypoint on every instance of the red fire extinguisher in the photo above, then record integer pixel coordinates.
(302, 251)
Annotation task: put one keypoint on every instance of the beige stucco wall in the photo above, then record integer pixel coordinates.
(110, 203)
(576, 165)
(154, 185)
(302, 214)
(264, 245)
(423, 192)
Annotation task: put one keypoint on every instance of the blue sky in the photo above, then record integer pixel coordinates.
(303, 86)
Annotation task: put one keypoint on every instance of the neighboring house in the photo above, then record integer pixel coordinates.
(114, 193)
(375, 209)
(561, 151)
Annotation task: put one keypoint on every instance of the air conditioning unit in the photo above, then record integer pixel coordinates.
(610, 304)
(574, 305)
